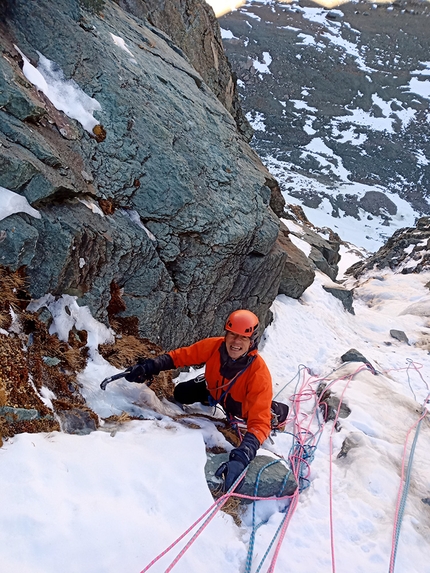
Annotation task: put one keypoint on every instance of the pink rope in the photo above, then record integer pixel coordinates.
(216, 507)
(292, 509)
(302, 423)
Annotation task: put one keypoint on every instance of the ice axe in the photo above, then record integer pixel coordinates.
(106, 381)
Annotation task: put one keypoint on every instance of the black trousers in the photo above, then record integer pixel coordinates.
(195, 391)
(191, 391)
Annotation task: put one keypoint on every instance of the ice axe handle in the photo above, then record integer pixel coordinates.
(106, 381)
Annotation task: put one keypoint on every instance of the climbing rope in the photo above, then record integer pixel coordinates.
(405, 483)
(306, 433)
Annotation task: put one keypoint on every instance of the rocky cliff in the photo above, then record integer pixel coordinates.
(192, 26)
(153, 210)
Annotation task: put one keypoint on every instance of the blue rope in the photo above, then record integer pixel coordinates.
(297, 375)
(404, 495)
(303, 452)
(410, 363)
(256, 527)
(274, 538)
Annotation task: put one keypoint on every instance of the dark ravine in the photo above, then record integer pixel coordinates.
(164, 204)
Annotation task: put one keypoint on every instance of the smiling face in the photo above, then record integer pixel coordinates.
(236, 344)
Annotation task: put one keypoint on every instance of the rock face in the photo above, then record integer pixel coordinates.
(192, 26)
(298, 273)
(163, 203)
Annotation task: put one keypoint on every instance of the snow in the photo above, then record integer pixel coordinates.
(121, 495)
(67, 314)
(256, 119)
(227, 34)
(64, 94)
(91, 204)
(420, 87)
(263, 67)
(11, 203)
(366, 232)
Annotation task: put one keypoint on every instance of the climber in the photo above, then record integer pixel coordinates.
(236, 377)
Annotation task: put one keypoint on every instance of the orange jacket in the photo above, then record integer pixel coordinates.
(253, 388)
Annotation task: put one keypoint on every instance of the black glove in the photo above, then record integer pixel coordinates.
(141, 372)
(230, 471)
(238, 460)
(146, 368)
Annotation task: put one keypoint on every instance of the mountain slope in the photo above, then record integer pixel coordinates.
(339, 100)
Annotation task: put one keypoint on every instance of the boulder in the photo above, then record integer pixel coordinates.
(266, 477)
(324, 253)
(399, 335)
(77, 421)
(354, 355)
(343, 294)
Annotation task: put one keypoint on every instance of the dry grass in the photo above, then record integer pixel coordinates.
(121, 419)
(232, 507)
(125, 352)
(25, 360)
(12, 295)
(230, 435)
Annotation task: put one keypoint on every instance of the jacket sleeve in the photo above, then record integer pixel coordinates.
(259, 401)
(198, 353)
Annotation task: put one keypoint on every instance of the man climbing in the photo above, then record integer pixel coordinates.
(236, 377)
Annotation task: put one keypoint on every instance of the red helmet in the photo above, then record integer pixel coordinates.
(243, 322)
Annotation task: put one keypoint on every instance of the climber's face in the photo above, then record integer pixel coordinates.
(236, 344)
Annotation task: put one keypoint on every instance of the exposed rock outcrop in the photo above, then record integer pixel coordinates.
(406, 251)
(298, 273)
(162, 202)
(193, 27)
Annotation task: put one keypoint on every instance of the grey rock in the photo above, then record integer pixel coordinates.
(51, 361)
(354, 355)
(297, 273)
(76, 421)
(193, 28)
(331, 407)
(13, 131)
(265, 477)
(19, 240)
(377, 203)
(347, 445)
(180, 164)
(399, 335)
(19, 414)
(16, 100)
(321, 263)
(407, 250)
(324, 253)
(344, 295)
